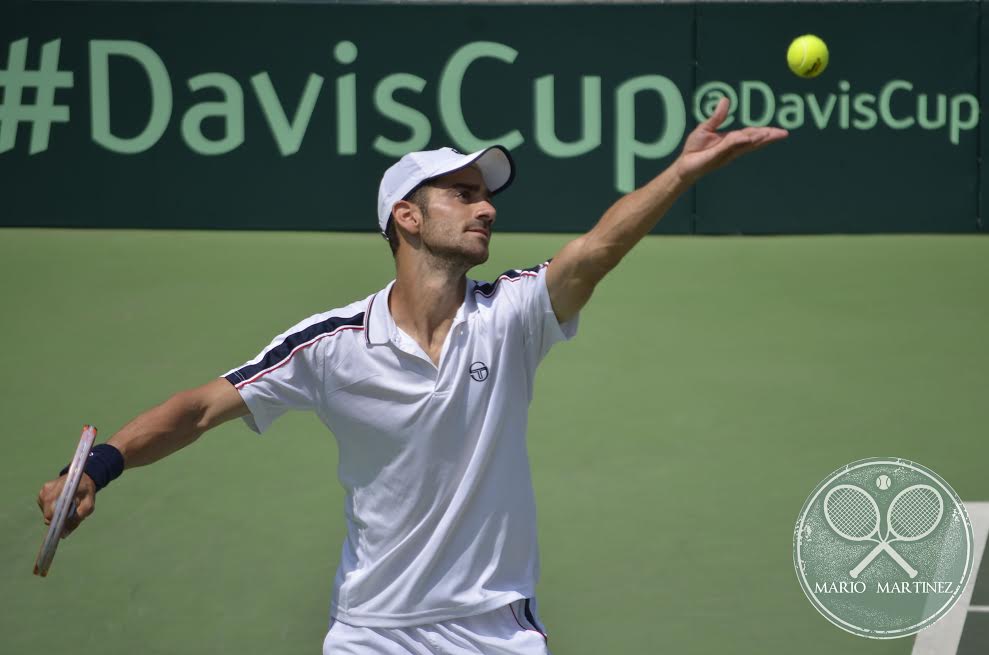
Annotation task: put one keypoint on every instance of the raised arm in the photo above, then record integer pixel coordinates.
(583, 262)
(155, 434)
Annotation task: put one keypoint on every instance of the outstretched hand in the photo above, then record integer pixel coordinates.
(706, 149)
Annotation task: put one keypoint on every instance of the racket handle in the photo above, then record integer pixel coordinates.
(881, 546)
(912, 572)
(867, 561)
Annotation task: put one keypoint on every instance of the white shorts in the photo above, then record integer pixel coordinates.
(514, 629)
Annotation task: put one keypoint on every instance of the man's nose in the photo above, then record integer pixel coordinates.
(487, 212)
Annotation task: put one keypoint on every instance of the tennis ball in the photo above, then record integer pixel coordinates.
(807, 56)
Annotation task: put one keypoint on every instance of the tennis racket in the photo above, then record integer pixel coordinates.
(65, 505)
(853, 514)
(912, 515)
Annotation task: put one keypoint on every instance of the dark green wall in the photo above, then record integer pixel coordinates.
(652, 64)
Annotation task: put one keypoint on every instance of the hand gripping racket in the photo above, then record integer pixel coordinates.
(65, 504)
(853, 514)
(912, 515)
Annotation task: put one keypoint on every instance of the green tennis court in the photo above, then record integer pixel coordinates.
(713, 383)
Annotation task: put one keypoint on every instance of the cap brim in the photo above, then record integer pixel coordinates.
(497, 168)
(495, 163)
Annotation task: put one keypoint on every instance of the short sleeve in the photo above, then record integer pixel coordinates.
(284, 376)
(543, 329)
(526, 289)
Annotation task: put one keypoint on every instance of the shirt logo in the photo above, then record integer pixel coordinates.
(479, 371)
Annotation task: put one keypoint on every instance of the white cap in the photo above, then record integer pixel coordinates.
(413, 169)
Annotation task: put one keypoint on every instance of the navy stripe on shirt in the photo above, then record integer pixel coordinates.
(284, 350)
(488, 288)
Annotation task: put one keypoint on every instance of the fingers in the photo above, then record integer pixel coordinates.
(762, 138)
(719, 115)
(702, 158)
(48, 496)
(85, 504)
(733, 145)
(70, 525)
(752, 138)
(741, 142)
(765, 135)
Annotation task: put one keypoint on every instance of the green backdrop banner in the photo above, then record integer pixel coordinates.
(262, 116)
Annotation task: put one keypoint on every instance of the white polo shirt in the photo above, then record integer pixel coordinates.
(441, 518)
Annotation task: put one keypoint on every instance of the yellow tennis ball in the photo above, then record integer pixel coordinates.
(807, 56)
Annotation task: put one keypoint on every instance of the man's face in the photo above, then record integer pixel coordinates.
(458, 218)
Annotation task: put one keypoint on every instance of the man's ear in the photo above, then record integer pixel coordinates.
(408, 216)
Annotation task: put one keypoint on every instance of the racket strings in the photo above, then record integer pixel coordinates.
(915, 513)
(852, 513)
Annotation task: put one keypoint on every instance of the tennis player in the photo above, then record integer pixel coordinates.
(426, 386)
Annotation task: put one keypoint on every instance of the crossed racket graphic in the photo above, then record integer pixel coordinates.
(853, 514)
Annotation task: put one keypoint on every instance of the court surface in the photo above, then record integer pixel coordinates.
(714, 382)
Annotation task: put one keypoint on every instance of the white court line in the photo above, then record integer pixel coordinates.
(978, 608)
(943, 637)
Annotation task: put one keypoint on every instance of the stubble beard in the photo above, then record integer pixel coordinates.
(448, 257)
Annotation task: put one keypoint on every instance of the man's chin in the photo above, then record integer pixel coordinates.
(467, 255)
(476, 258)
(476, 253)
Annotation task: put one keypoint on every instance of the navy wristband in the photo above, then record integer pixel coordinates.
(104, 465)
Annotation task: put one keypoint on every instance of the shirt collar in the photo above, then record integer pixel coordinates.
(380, 327)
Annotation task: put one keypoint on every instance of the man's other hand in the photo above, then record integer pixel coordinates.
(85, 501)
